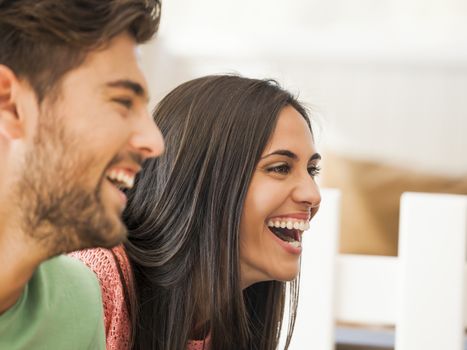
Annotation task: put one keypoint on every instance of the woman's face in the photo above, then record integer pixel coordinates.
(281, 200)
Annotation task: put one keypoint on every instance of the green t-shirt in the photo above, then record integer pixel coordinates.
(60, 308)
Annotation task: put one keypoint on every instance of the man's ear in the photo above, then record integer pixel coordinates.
(11, 125)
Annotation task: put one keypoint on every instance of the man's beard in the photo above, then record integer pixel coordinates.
(57, 209)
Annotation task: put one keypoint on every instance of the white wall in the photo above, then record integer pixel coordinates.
(388, 79)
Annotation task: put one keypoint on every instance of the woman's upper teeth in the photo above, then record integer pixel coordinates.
(301, 225)
(121, 176)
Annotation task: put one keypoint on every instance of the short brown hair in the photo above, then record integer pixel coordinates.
(41, 40)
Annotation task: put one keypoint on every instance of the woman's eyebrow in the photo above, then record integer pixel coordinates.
(315, 156)
(282, 152)
(291, 155)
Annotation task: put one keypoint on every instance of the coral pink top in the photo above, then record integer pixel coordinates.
(116, 317)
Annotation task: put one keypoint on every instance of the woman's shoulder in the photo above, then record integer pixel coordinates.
(103, 262)
(99, 260)
(198, 345)
(108, 265)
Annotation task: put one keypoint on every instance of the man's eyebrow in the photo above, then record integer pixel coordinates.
(291, 155)
(135, 87)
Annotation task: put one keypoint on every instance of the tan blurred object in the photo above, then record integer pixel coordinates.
(370, 200)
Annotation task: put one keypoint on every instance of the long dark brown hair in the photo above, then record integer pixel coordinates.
(183, 217)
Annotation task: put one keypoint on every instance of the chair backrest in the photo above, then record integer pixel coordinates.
(421, 292)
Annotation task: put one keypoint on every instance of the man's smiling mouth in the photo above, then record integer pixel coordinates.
(289, 231)
(121, 179)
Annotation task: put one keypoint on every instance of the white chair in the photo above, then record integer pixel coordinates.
(422, 292)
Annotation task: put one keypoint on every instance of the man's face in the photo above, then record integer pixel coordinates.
(87, 144)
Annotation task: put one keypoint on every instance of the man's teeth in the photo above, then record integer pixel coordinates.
(300, 225)
(122, 178)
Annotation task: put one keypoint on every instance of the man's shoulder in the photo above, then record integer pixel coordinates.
(67, 266)
(70, 286)
(61, 308)
(64, 272)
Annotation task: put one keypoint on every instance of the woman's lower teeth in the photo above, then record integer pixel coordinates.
(295, 244)
(288, 239)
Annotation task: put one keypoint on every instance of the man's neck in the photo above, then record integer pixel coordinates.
(19, 258)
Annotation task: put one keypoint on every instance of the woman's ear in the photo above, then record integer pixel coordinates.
(11, 125)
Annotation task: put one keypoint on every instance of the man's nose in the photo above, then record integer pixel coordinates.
(147, 139)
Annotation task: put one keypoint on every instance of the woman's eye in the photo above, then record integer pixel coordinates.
(279, 169)
(314, 170)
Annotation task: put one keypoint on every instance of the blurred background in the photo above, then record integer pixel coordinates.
(386, 81)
